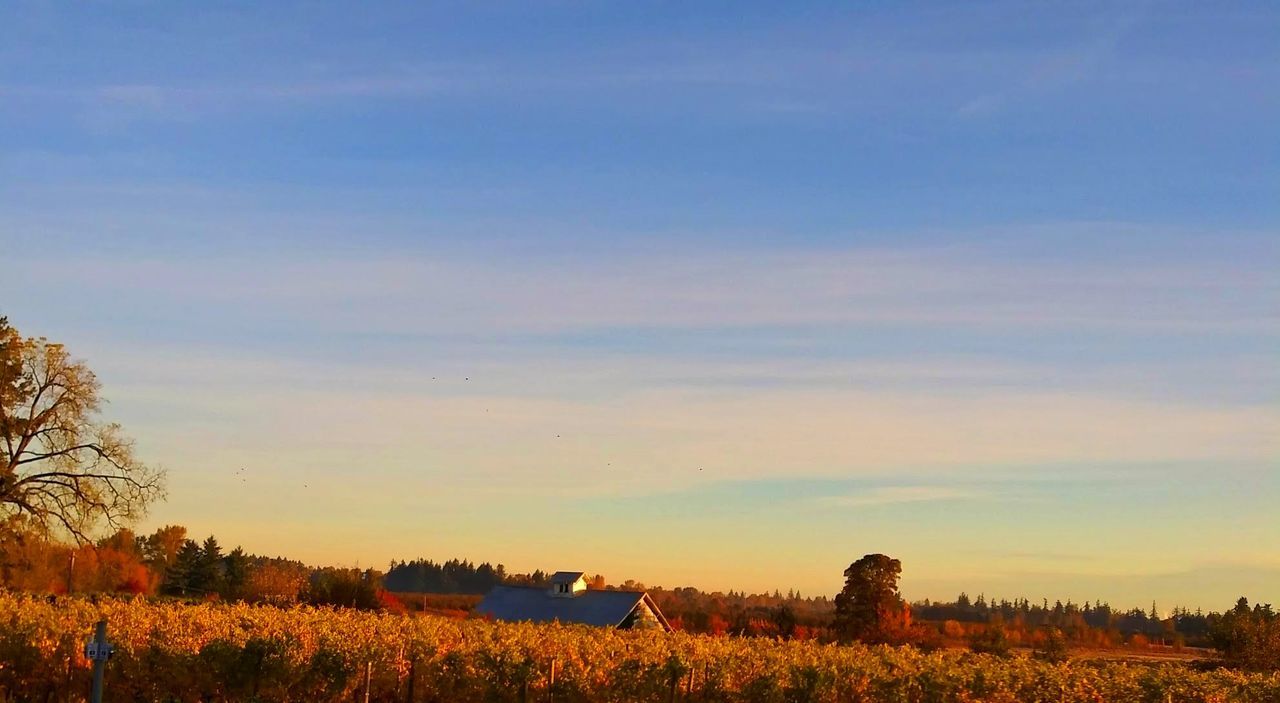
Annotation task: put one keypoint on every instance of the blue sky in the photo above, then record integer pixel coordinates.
(724, 295)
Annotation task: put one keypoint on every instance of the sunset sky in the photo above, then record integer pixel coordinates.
(714, 294)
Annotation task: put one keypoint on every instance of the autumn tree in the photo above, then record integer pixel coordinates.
(1054, 647)
(61, 469)
(277, 581)
(784, 620)
(869, 607)
(161, 548)
(1249, 637)
(344, 587)
(992, 639)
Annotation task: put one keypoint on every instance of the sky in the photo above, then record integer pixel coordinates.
(714, 294)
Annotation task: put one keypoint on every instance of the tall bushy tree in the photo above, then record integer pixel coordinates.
(61, 469)
(869, 607)
(278, 581)
(345, 587)
(160, 548)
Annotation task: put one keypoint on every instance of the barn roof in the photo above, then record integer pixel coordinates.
(533, 604)
(565, 576)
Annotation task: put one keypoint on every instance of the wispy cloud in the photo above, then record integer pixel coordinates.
(1075, 63)
(893, 495)
(1035, 555)
(840, 73)
(933, 286)
(982, 105)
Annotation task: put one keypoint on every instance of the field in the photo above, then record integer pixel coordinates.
(215, 652)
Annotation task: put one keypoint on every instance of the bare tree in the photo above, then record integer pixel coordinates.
(61, 470)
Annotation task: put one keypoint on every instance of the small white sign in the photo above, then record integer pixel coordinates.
(95, 652)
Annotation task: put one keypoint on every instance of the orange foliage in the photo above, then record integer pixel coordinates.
(805, 632)
(387, 601)
(138, 580)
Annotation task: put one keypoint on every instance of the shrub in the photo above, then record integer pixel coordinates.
(991, 640)
(1054, 647)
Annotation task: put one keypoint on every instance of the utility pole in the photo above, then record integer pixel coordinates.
(98, 651)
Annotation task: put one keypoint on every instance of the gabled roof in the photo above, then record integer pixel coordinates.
(532, 604)
(565, 576)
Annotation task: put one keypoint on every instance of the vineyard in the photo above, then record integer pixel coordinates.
(216, 652)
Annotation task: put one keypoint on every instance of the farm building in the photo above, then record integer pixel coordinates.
(566, 599)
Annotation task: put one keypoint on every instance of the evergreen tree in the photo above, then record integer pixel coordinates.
(208, 576)
(179, 577)
(235, 569)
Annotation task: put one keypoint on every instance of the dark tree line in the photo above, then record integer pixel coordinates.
(774, 614)
(462, 577)
(453, 576)
(1180, 626)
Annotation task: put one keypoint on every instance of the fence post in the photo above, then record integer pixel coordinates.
(66, 684)
(551, 684)
(413, 666)
(99, 659)
(257, 670)
(368, 679)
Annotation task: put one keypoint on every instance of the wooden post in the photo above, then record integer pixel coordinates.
(413, 666)
(99, 662)
(257, 670)
(71, 570)
(368, 679)
(399, 661)
(551, 683)
(66, 684)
